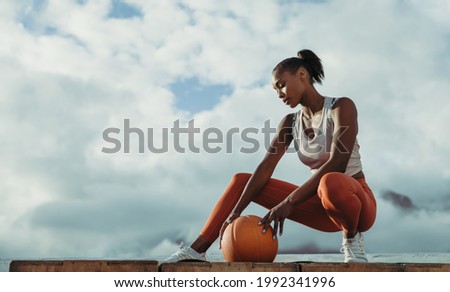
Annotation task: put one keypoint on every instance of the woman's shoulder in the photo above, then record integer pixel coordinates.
(342, 102)
(344, 108)
(289, 117)
(287, 121)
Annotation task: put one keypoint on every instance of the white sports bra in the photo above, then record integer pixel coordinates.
(315, 151)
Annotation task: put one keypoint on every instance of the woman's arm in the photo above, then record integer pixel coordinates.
(264, 170)
(345, 130)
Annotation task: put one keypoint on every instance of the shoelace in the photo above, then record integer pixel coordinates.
(181, 251)
(362, 248)
(183, 254)
(348, 248)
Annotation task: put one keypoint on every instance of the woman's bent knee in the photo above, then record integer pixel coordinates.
(332, 182)
(239, 177)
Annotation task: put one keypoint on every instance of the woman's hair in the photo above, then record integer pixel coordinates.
(306, 59)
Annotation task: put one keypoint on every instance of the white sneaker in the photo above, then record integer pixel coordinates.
(353, 249)
(185, 253)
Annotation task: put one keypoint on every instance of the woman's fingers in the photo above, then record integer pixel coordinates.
(281, 226)
(227, 222)
(264, 219)
(266, 222)
(275, 228)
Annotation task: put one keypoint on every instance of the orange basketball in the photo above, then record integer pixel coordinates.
(243, 241)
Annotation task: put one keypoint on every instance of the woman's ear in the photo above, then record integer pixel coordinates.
(302, 74)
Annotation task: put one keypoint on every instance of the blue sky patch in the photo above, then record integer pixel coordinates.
(28, 17)
(193, 96)
(121, 9)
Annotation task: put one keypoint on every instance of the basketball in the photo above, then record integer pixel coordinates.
(243, 241)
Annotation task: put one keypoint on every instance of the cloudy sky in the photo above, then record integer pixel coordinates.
(71, 69)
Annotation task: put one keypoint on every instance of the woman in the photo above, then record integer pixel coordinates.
(336, 197)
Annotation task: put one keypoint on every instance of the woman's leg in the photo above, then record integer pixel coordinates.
(220, 212)
(310, 213)
(349, 202)
(342, 203)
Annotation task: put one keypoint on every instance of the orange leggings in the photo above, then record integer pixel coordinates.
(342, 203)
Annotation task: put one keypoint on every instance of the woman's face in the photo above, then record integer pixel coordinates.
(289, 87)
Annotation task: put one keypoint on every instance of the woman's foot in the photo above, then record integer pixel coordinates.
(353, 249)
(185, 253)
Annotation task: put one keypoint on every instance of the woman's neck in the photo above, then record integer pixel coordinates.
(312, 103)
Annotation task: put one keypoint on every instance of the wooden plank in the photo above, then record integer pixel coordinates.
(228, 267)
(35, 266)
(152, 266)
(83, 266)
(418, 267)
(351, 267)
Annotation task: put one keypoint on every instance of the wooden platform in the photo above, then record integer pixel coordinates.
(83, 266)
(154, 266)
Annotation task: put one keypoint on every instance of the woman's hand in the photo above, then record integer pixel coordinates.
(278, 214)
(227, 222)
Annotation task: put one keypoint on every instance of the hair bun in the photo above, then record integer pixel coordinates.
(306, 54)
(316, 69)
